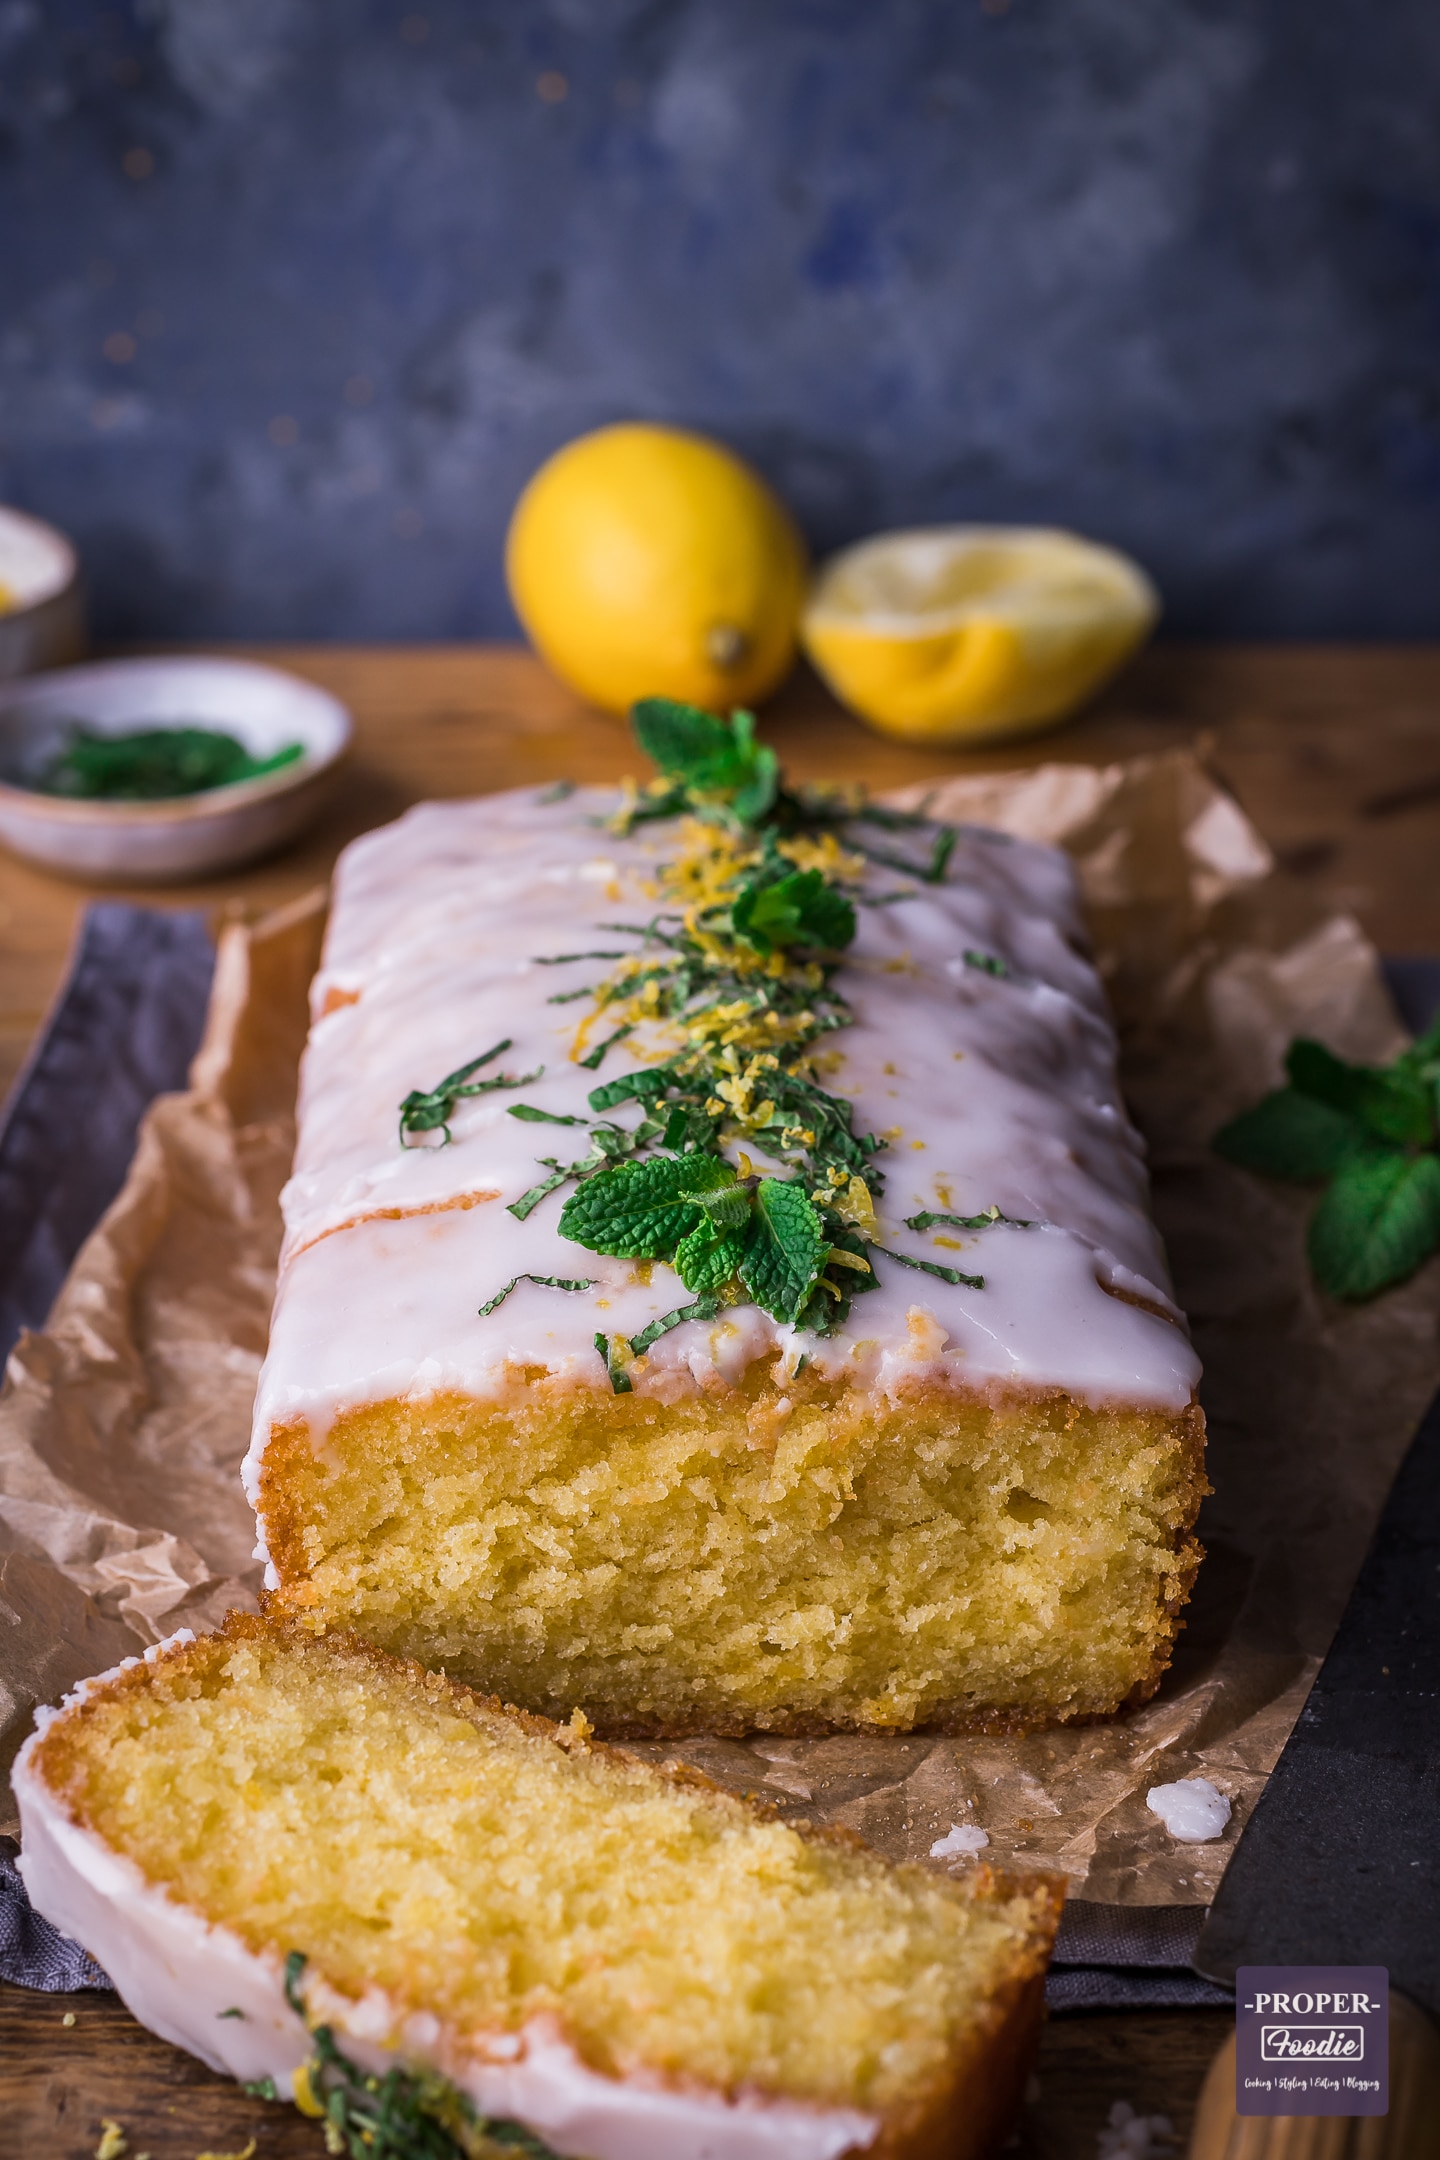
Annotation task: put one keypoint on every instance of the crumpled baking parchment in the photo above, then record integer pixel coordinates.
(123, 1423)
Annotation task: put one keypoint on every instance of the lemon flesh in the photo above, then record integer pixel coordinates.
(649, 562)
(970, 632)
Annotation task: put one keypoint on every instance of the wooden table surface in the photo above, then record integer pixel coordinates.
(1335, 754)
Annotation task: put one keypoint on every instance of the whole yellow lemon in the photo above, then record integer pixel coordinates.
(967, 633)
(650, 562)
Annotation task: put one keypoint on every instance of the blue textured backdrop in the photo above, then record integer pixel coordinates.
(295, 293)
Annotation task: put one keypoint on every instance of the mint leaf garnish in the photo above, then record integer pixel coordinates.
(531, 1116)
(1377, 1223)
(785, 1249)
(1290, 1135)
(643, 1210)
(801, 909)
(708, 1260)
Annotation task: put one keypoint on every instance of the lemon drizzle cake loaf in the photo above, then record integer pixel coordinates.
(762, 1325)
(632, 1965)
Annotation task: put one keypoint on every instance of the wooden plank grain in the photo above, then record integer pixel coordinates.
(58, 2083)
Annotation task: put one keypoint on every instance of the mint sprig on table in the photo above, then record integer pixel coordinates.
(739, 964)
(1370, 1133)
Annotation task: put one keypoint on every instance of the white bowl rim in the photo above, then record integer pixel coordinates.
(171, 809)
(57, 541)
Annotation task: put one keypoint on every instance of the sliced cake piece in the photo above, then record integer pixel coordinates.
(511, 1921)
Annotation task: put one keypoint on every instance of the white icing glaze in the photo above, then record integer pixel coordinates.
(179, 1975)
(1001, 1092)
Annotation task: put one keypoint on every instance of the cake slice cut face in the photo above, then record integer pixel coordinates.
(951, 1482)
(633, 1965)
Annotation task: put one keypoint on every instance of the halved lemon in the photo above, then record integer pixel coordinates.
(955, 633)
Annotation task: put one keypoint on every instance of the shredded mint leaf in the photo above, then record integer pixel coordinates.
(402, 2115)
(786, 1247)
(1379, 1221)
(987, 963)
(642, 1210)
(928, 1218)
(645, 1086)
(430, 1109)
(546, 1282)
(557, 793)
(929, 873)
(933, 1267)
(529, 1201)
(614, 1365)
(1394, 1103)
(532, 1116)
(563, 959)
(596, 1058)
(1292, 1135)
(262, 2088)
(704, 1308)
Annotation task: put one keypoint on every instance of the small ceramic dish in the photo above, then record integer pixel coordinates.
(181, 836)
(42, 610)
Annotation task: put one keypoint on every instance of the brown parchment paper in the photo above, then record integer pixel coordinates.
(123, 1424)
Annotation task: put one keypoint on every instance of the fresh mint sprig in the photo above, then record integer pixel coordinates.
(1371, 1135)
(710, 763)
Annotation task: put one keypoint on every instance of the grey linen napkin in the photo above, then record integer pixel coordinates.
(123, 1031)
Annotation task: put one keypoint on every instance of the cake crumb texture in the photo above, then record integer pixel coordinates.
(404, 1834)
(800, 1561)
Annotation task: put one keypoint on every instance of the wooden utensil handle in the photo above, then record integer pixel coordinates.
(1411, 2130)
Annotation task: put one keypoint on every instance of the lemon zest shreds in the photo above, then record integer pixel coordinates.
(306, 2098)
(113, 2141)
(823, 852)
